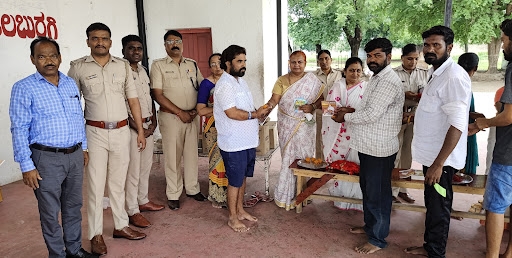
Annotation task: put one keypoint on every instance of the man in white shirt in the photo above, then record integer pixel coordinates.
(440, 135)
(237, 127)
(413, 79)
(376, 126)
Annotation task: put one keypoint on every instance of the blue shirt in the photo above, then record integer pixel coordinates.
(45, 114)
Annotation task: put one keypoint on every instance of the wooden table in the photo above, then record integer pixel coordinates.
(475, 187)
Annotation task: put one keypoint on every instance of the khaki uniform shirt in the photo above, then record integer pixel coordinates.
(412, 82)
(141, 79)
(328, 79)
(105, 88)
(179, 82)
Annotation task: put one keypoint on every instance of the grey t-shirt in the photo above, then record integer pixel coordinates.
(503, 149)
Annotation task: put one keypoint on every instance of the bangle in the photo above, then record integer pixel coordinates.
(249, 116)
(313, 105)
(86, 150)
(408, 119)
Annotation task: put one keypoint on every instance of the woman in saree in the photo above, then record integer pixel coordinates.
(217, 179)
(336, 137)
(469, 61)
(298, 94)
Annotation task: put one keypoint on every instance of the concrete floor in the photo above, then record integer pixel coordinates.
(198, 230)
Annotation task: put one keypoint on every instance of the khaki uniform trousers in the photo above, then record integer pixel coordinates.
(137, 180)
(109, 154)
(404, 155)
(179, 139)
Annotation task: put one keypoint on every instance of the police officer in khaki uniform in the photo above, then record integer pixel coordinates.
(328, 76)
(175, 81)
(413, 78)
(140, 162)
(106, 82)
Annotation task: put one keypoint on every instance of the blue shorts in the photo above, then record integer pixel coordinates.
(239, 165)
(498, 191)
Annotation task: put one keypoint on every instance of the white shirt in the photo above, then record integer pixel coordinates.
(377, 123)
(444, 102)
(234, 135)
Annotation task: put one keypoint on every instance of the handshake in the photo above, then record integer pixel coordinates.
(263, 112)
(339, 113)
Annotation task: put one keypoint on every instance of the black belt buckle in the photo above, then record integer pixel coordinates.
(110, 125)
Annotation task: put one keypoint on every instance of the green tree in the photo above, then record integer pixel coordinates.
(473, 22)
(318, 22)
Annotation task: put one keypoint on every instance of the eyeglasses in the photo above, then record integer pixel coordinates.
(171, 42)
(215, 64)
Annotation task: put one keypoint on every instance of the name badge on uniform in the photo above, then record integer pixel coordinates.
(91, 77)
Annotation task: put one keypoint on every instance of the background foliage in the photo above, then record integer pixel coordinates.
(344, 25)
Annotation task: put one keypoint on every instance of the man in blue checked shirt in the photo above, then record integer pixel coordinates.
(48, 133)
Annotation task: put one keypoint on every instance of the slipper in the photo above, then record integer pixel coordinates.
(262, 197)
(250, 202)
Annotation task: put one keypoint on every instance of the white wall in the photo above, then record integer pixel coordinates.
(250, 24)
(231, 22)
(72, 18)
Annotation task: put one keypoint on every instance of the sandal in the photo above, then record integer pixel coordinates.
(250, 202)
(262, 197)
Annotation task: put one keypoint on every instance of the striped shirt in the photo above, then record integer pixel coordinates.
(44, 114)
(377, 123)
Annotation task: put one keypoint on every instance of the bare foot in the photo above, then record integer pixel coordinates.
(456, 217)
(244, 215)
(417, 250)
(237, 226)
(216, 205)
(357, 230)
(367, 248)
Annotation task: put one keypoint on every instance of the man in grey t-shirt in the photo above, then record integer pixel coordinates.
(498, 191)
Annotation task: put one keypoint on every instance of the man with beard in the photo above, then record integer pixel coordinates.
(236, 120)
(376, 126)
(440, 135)
(48, 135)
(106, 84)
(174, 82)
(498, 191)
(140, 161)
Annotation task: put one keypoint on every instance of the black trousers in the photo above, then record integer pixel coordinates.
(437, 220)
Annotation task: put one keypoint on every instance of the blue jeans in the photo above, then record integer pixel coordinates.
(375, 182)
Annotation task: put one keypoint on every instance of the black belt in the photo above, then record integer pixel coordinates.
(69, 150)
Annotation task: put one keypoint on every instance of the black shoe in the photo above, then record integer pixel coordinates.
(173, 204)
(198, 197)
(82, 254)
